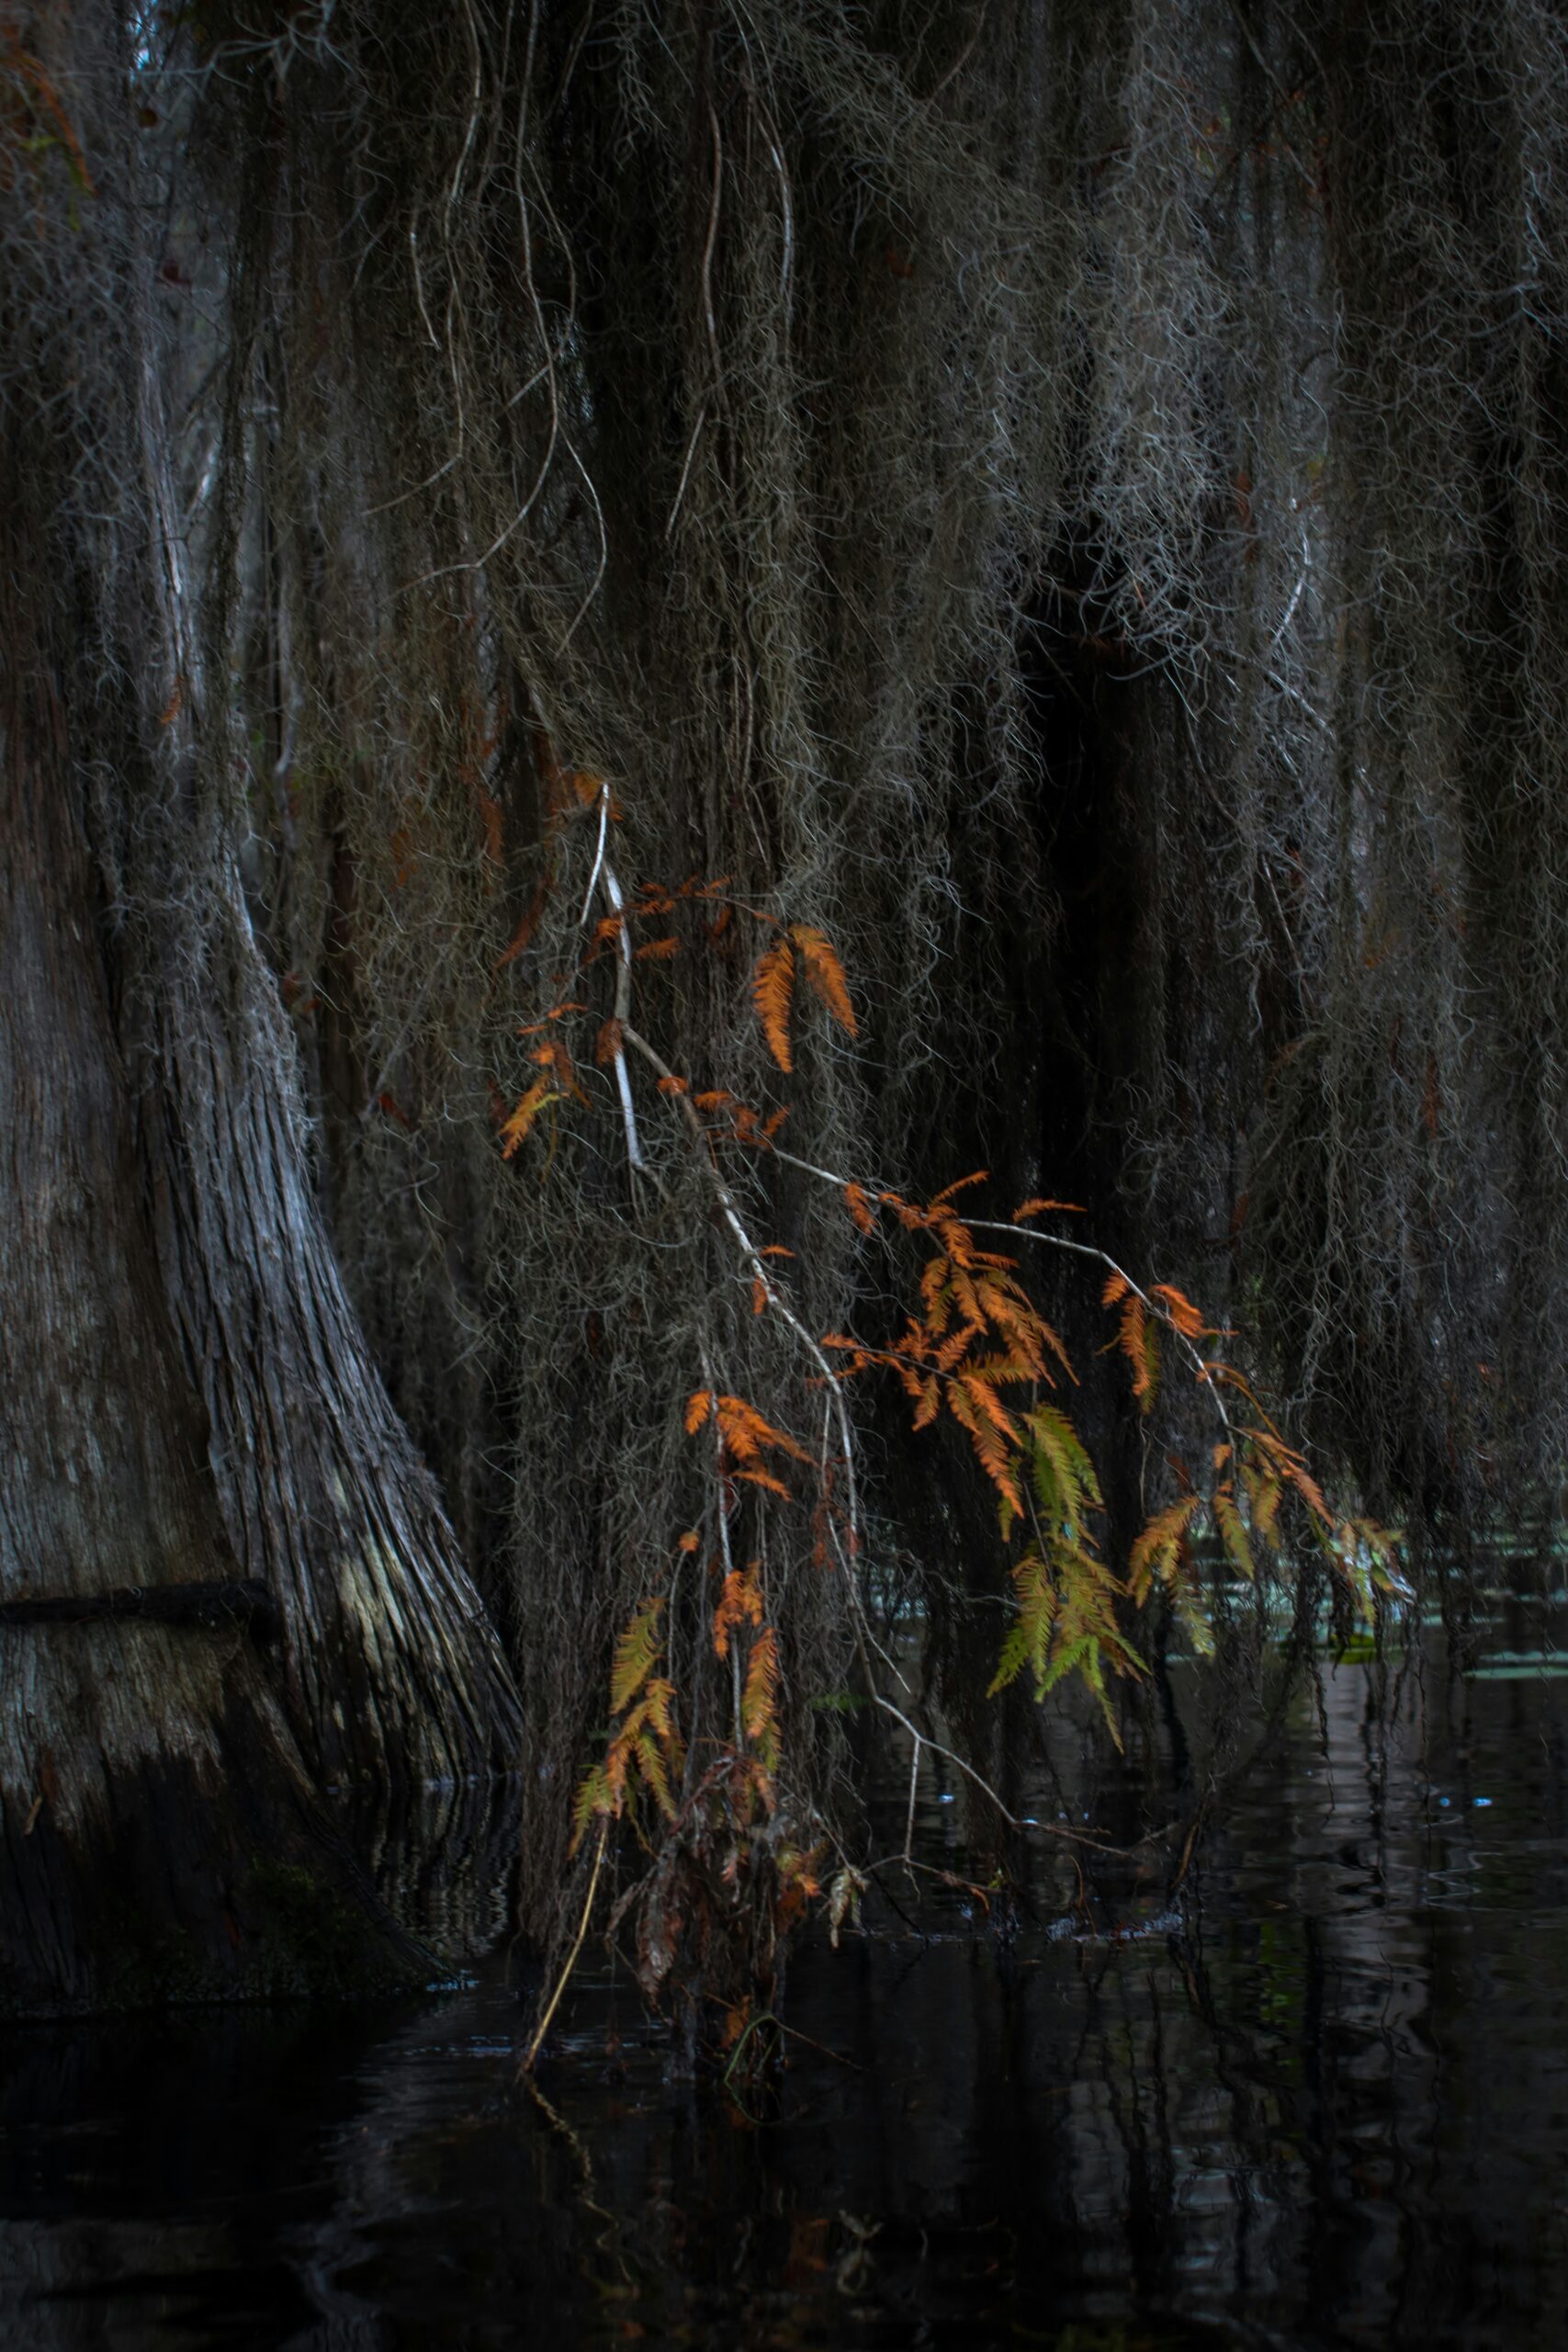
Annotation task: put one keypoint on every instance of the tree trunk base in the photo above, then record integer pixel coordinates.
(208, 1874)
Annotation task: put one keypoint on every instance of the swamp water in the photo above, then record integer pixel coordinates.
(1325, 2102)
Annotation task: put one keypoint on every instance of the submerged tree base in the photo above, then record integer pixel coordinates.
(205, 1876)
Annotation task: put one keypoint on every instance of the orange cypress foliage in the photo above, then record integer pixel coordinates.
(1014, 1315)
(699, 1408)
(1158, 1550)
(936, 1285)
(746, 1433)
(745, 1429)
(825, 975)
(635, 1653)
(1136, 1338)
(1264, 1493)
(959, 1184)
(539, 1096)
(740, 1603)
(990, 1446)
(1310, 1491)
(1183, 1316)
(955, 1346)
(759, 1698)
(983, 1395)
(976, 1337)
(858, 1207)
(645, 1745)
(754, 1475)
(1290, 1468)
(746, 1126)
(557, 1012)
(772, 988)
(1232, 1530)
(554, 1056)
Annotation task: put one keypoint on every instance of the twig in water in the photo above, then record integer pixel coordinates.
(544, 2026)
(766, 2017)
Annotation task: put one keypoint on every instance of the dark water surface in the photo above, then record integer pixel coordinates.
(1324, 2100)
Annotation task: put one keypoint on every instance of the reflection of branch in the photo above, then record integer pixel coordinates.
(1013, 1820)
(922, 1739)
(610, 2236)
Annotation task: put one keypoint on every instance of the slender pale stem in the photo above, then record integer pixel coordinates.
(543, 2025)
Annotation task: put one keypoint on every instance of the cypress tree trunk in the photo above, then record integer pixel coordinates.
(393, 1671)
(189, 1401)
(160, 1835)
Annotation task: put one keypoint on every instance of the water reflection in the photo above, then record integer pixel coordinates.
(1324, 2100)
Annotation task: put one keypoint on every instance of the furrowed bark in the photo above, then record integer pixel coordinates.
(187, 1399)
(159, 1837)
(393, 1670)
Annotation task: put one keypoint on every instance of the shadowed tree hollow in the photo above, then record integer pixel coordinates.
(639, 635)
